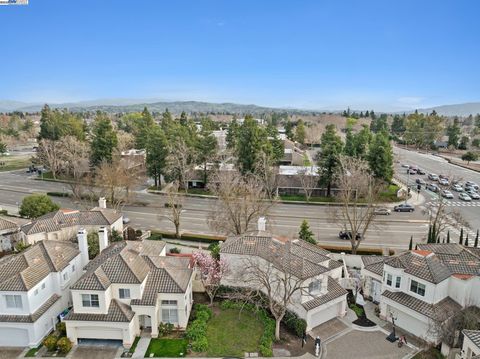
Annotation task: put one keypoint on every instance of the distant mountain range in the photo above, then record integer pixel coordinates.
(132, 105)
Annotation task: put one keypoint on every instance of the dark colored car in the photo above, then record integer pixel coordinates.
(419, 181)
(404, 207)
(420, 171)
(348, 235)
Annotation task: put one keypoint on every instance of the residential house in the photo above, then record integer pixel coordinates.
(471, 345)
(34, 290)
(129, 286)
(65, 223)
(321, 297)
(9, 233)
(292, 156)
(421, 289)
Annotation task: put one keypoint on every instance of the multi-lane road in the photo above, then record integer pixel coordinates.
(392, 231)
(470, 211)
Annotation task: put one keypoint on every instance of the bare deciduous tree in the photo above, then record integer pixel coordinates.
(308, 180)
(75, 164)
(267, 174)
(181, 163)
(173, 207)
(241, 201)
(48, 155)
(275, 281)
(125, 141)
(357, 196)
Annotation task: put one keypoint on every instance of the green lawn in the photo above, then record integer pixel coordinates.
(231, 335)
(302, 198)
(170, 348)
(11, 163)
(33, 351)
(134, 345)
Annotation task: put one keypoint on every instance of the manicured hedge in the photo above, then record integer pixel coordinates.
(197, 330)
(294, 323)
(204, 238)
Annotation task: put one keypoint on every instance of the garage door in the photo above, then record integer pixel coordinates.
(13, 337)
(323, 316)
(99, 333)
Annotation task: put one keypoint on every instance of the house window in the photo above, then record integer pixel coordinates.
(397, 282)
(169, 302)
(418, 288)
(43, 285)
(124, 293)
(389, 279)
(35, 291)
(13, 301)
(90, 300)
(170, 315)
(65, 276)
(314, 287)
(73, 268)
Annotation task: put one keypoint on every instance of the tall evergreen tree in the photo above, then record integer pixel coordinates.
(429, 236)
(380, 157)
(349, 148)
(305, 233)
(453, 133)
(476, 240)
(328, 159)
(448, 236)
(143, 129)
(206, 148)
(232, 134)
(249, 144)
(466, 241)
(461, 236)
(410, 246)
(300, 132)
(362, 141)
(104, 140)
(157, 153)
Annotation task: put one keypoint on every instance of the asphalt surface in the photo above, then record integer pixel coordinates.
(392, 231)
(470, 211)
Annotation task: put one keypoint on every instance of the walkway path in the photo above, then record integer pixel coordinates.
(141, 348)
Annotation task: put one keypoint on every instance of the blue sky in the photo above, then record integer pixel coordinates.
(386, 55)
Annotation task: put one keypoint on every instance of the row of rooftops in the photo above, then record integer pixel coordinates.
(432, 262)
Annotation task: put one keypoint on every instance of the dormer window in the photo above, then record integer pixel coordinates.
(314, 287)
(90, 300)
(389, 279)
(417, 288)
(124, 293)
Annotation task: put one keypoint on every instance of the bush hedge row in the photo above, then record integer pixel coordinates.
(197, 330)
(204, 238)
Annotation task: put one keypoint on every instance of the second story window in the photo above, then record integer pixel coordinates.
(389, 279)
(397, 282)
(13, 301)
(124, 293)
(90, 300)
(65, 276)
(314, 287)
(418, 288)
(169, 302)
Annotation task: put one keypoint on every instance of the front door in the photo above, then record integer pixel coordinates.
(146, 321)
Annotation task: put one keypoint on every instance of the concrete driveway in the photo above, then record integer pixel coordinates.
(8, 353)
(96, 352)
(364, 345)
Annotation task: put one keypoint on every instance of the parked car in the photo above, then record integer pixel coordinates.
(405, 165)
(420, 171)
(472, 193)
(470, 184)
(457, 187)
(412, 171)
(404, 207)
(382, 211)
(443, 181)
(348, 235)
(432, 187)
(464, 197)
(125, 220)
(433, 177)
(419, 181)
(447, 194)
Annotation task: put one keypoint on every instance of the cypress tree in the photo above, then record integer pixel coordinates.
(434, 233)
(429, 237)
(410, 246)
(466, 241)
(476, 240)
(461, 236)
(416, 246)
(443, 240)
(448, 237)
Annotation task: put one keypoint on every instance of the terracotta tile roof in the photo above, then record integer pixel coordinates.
(55, 221)
(473, 335)
(8, 225)
(429, 267)
(439, 311)
(31, 318)
(367, 260)
(459, 259)
(21, 272)
(117, 312)
(303, 258)
(335, 291)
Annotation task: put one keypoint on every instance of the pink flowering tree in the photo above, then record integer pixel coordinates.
(211, 272)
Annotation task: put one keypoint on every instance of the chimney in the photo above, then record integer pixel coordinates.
(102, 238)
(83, 245)
(262, 224)
(102, 202)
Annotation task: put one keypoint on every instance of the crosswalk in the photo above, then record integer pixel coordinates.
(455, 204)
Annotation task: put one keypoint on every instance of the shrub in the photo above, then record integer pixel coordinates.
(50, 343)
(203, 316)
(214, 249)
(174, 250)
(138, 232)
(200, 345)
(61, 329)
(165, 329)
(64, 345)
(196, 330)
(295, 324)
(202, 308)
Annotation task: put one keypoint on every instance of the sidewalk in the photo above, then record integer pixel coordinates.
(141, 348)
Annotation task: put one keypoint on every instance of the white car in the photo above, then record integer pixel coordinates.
(457, 187)
(405, 165)
(464, 197)
(443, 181)
(433, 176)
(447, 194)
(473, 194)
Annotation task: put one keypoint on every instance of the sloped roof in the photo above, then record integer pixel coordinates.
(459, 259)
(55, 221)
(473, 335)
(421, 264)
(21, 272)
(335, 291)
(297, 257)
(6, 224)
(117, 312)
(439, 311)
